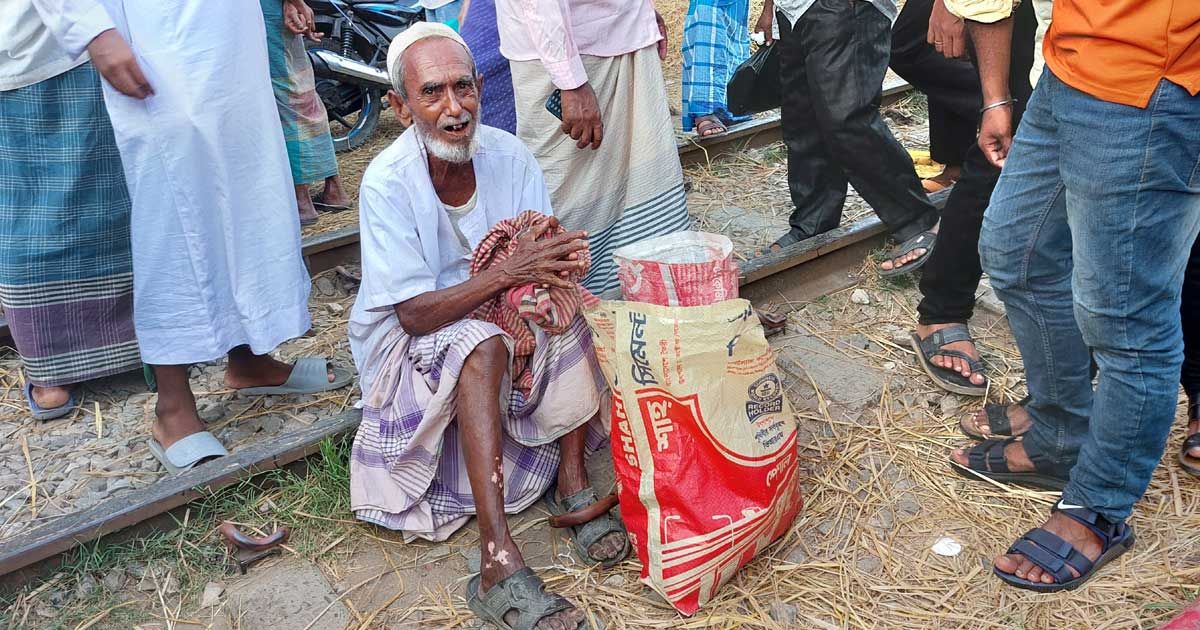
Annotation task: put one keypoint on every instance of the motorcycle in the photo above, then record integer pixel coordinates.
(350, 62)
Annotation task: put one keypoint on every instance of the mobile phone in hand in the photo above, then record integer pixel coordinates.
(554, 104)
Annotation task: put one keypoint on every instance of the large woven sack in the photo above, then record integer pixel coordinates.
(703, 439)
(680, 269)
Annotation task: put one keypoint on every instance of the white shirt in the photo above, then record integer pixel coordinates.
(408, 242)
(29, 52)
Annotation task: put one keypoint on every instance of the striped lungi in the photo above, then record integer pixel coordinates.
(66, 276)
(407, 470)
(629, 189)
(715, 42)
(305, 122)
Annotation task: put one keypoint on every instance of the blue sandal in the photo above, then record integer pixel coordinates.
(986, 459)
(48, 414)
(1057, 556)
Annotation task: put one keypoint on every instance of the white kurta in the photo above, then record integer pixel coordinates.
(215, 229)
(409, 246)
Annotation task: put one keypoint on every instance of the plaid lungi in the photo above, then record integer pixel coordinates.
(407, 470)
(66, 276)
(715, 42)
(305, 122)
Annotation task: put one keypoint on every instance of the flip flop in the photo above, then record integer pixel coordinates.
(1057, 556)
(946, 378)
(329, 207)
(925, 240)
(188, 452)
(712, 121)
(523, 592)
(48, 414)
(310, 375)
(588, 533)
(783, 242)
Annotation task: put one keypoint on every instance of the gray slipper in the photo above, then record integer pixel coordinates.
(523, 592)
(310, 375)
(48, 414)
(589, 533)
(185, 454)
(925, 240)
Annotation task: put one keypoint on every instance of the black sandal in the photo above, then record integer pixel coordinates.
(925, 240)
(946, 378)
(785, 241)
(986, 459)
(523, 592)
(1057, 556)
(997, 418)
(1189, 464)
(590, 531)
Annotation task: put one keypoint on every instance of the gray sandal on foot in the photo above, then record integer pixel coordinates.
(924, 240)
(946, 378)
(310, 375)
(587, 532)
(188, 452)
(523, 592)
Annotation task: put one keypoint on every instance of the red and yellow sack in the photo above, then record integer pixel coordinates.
(703, 439)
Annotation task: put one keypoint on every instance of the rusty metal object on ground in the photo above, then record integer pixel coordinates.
(246, 550)
(773, 318)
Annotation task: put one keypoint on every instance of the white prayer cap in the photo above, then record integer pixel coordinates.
(412, 35)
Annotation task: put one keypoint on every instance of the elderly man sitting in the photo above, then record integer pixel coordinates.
(446, 433)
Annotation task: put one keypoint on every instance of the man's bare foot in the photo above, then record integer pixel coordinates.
(51, 397)
(943, 180)
(1064, 527)
(1018, 418)
(573, 479)
(246, 369)
(333, 194)
(500, 559)
(1014, 456)
(966, 347)
(910, 257)
(176, 420)
(308, 212)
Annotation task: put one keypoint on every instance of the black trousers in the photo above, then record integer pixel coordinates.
(951, 275)
(832, 63)
(951, 85)
(1190, 377)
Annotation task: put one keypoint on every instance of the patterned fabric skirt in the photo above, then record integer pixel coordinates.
(66, 276)
(305, 122)
(716, 41)
(629, 189)
(407, 470)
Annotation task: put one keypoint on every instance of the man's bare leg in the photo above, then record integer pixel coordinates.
(176, 406)
(572, 478)
(482, 441)
(308, 212)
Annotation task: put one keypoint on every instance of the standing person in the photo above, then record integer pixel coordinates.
(833, 56)
(943, 342)
(66, 278)
(618, 177)
(481, 33)
(215, 236)
(1090, 266)
(938, 67)
(716, 40)
(305, 123)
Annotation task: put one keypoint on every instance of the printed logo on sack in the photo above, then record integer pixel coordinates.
(641, 371)
(765, 397)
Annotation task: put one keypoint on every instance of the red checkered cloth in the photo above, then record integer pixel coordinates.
(551, 309)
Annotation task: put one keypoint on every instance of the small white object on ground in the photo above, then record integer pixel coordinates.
(212, 595)
(859, 296)
(946, 546)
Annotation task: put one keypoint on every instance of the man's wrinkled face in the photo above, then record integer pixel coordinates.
(442, 96)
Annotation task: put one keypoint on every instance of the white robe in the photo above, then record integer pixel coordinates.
(215, 229)
(408, 243)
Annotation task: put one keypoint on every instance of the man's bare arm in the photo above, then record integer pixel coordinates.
(993, 45)
(546, 262)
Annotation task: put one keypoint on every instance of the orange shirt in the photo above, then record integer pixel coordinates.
(1119, 50)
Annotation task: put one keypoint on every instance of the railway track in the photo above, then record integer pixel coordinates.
(800, 272)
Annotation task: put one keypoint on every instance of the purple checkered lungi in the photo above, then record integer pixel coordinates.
(407, 470)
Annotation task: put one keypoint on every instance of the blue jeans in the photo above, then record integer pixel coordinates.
(445, 14)
(1085, 240)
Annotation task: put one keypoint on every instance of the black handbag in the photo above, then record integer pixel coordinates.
(755, 87)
